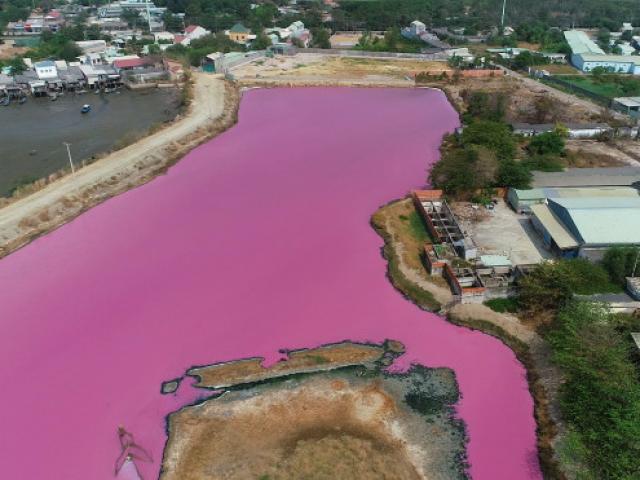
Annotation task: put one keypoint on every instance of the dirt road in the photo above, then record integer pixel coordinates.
(63, 199)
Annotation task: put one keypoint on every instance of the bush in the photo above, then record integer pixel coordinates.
(514, 174)
(503, 305)
(493, 135)
(620, 261)
(552, 284)
(544, 163)
(548, 143)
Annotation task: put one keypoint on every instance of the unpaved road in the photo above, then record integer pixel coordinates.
(32, 215)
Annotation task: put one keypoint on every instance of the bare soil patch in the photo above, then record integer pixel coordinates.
(592, 153)
(339, 425)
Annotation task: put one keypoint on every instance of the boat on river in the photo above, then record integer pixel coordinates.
(5, 101)
(85, 108)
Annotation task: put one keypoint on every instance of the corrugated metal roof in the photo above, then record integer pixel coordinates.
(628, 101)
(603, 221)
(586, 57)
(554, 226)
(587, 177)
(570, 192)
(580, 43)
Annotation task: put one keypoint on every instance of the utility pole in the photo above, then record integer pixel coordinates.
(73, 170)
(504, 8)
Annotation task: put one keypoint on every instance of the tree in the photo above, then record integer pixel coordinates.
(548, 143)
(513, 174)
(131, 16)
(172, 23)
(93, 32)
(320, 38)
(546, 288)
(262, 42)
(70, 51)
(620, 262)
(17, 65)
(495, 136)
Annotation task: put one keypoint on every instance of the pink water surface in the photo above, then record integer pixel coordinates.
(256, 241)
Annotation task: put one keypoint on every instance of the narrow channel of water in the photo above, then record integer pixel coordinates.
(256, 241)
(32, 134)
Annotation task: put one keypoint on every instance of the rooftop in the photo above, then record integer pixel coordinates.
(600, 221)
(588, 177)
(561, 235)
(635, 59)
(239, 28)
(580, 43)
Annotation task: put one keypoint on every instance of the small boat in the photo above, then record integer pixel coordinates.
(5, 101)
(85, 109)
(22, 100)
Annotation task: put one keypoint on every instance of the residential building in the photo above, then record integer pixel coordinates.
(192, 32)
(46, 70)
(239, 33)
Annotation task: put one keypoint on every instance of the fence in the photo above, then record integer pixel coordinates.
(437, 57)
(599, 99)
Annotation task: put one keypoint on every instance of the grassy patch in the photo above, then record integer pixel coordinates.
(503, 305)
(609, 86)
(412, 239)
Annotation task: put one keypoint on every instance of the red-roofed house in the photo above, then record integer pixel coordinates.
(192, 32)
(131, 64)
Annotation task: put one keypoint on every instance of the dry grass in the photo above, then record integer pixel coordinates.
(251, 370)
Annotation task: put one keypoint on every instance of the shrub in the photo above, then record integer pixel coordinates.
(620, 261)
(503, 305)
(548, 143)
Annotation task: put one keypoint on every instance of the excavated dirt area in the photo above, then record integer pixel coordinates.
(348, 424)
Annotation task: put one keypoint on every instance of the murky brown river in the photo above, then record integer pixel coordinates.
(32, 134)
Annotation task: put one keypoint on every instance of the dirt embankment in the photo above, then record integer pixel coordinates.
(213, 110)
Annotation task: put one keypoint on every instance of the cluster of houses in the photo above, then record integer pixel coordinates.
(99, 67)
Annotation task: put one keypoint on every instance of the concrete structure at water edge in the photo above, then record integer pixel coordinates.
(473, 278)
(587, 227)
(442, 224)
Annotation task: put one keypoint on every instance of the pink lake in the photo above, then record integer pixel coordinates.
(256, 241)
